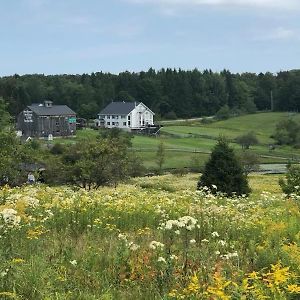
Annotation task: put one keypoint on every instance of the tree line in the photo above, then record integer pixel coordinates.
(170, 93)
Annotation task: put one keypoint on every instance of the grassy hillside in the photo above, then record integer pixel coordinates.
(187, 142)
(263, 124)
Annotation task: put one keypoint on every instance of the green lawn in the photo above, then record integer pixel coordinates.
(263, 125)
(182, 141)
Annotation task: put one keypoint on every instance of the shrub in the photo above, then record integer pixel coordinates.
(224, 171)
(291, 183)
(247, 140)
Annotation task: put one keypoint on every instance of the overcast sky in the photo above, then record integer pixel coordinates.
(84, 36)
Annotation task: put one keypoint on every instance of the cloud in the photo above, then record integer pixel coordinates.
(278, 4)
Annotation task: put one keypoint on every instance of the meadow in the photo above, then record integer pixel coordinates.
(149, 238)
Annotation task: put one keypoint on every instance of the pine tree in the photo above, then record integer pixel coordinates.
(224, 171)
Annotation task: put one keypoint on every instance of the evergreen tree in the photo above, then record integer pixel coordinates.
(224, 171)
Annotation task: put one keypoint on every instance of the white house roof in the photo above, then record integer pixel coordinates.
(118, 108)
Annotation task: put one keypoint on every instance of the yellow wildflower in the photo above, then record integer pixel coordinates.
(293, 289)
(17, 260)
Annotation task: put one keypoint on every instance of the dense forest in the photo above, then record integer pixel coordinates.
(170, 93)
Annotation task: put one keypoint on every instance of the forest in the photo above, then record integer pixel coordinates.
(170, 93)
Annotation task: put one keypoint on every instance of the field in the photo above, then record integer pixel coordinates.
(151, 238)
(189, 143)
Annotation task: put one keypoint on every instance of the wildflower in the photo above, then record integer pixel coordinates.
(73, 262)
(173, 257)
(4, 273)
(10, 217)
(154, 245)
(133, 246)
(214, 186)
(177, 232)
(17, 260)
(215, 234)
(122, 236)
(192, 241)
(204, 241)
(161, 259)
(222, 243)
(293, 289)
(217, 252)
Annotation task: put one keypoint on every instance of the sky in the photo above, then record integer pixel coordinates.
(84, 36)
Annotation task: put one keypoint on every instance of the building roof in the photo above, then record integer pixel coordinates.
(54, 110)
(119, 108)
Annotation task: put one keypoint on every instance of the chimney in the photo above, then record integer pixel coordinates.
(48, 103)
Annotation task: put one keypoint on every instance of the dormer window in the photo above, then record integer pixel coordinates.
(48, 103)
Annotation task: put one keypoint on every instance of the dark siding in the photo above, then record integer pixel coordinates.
(42, 126)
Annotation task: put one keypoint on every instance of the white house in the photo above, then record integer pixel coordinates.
(125, 115)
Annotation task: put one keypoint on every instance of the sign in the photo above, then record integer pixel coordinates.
(72, 120)
(27, 116)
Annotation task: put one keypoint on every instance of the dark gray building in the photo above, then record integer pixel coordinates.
(42, 120)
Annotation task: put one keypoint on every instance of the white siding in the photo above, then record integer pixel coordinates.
(139, 117)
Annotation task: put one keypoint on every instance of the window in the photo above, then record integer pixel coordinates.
(124, 123)
(117, 123)
(108, 123)
(128, 118)
(113, 123)
(107, 117)
(128, 123)
(123, 117)
(112, 117)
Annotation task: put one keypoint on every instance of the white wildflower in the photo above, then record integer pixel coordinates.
(154, 245)
(215, 234)
(161, 259)
(73, 262)
(192, 241)
(222, 243)
(133, 246)
(10, 216)
(173, 257)
(122, 236)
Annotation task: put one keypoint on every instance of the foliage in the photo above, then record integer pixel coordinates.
(247, 140)
(223, 113)
(291, 183)
(159, 241)
(287, 132)
(93, 163)
(5, 118)
(250, 161)
(224, 171)
(168, 92)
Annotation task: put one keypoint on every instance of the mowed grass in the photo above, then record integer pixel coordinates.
(262, 124)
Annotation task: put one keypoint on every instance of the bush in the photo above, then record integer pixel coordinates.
(291, 183)
(224, 171)
(247, 140)
(287, 132)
